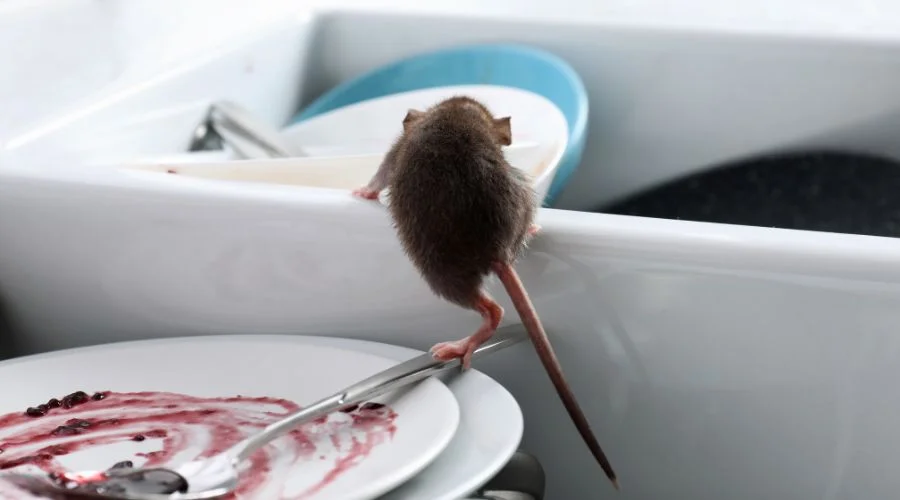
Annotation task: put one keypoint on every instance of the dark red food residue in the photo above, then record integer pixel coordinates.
(40, 434)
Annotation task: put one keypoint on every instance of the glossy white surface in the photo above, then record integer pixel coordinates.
(427, 415)
(714, 361)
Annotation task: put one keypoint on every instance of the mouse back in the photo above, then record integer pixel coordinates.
(458, 206)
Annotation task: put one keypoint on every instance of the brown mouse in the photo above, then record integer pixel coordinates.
(462, 212)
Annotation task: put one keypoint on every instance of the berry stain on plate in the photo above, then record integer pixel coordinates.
(177, 423)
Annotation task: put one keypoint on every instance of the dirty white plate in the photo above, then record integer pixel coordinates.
(334, 460)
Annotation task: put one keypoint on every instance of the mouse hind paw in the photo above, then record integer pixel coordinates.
(458, 349)
(462, 349)
(465, 348)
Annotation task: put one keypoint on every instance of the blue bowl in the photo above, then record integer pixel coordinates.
(510, 65)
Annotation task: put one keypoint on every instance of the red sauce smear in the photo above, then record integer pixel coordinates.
(182, 423)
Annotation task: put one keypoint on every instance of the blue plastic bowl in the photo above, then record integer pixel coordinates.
(510, 65)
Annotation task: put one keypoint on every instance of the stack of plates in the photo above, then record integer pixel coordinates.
(439, 440)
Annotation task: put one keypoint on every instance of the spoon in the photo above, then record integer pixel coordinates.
(218, 476)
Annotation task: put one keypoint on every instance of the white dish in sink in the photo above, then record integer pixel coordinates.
(144, 402)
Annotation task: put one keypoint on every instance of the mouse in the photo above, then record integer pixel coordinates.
(462, 213)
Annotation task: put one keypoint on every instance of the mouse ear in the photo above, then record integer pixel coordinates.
(412, 116)
(503, 130)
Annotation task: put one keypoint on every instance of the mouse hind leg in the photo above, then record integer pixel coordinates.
(492, 313)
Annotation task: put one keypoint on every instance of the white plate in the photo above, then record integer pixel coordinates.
(427, 415)
(490, 430)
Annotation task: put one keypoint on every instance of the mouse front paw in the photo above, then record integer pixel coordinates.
(534, 229)
(365, 193)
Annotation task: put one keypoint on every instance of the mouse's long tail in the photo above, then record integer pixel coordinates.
(513, 285)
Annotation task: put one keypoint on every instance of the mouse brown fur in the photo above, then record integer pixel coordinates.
(462, 212)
